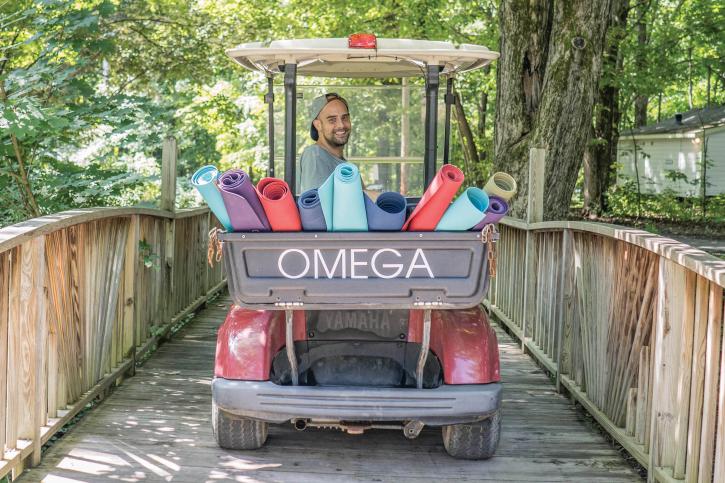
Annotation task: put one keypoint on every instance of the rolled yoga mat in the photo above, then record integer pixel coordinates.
(468, 210)
(387, 213)
(242, 203)
(341, 197)
(435, 200)
(204, 180)
(311, 214)
(497, 209)
(279, 205)
(502, 185)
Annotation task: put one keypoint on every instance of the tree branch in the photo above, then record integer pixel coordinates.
(24, 184)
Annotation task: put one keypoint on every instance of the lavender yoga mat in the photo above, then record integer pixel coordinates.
(311, 211)
(497, 209)
(387, 213)
(242, 203)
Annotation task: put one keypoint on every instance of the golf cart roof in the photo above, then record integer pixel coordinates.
(334, 57)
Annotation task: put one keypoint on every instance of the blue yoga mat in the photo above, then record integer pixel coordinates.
(204, 180)
(311, 211)
(342, 201)
(387, 213)
(465, 212)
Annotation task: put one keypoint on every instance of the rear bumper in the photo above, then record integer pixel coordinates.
(447, 404)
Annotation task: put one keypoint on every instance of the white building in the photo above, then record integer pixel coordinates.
(669, 154)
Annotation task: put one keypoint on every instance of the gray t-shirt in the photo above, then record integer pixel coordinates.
(316, 165)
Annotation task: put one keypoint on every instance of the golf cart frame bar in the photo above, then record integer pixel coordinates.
(269, 100)
(432, 82)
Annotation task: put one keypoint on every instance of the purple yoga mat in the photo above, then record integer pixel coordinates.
(497, 209)
(242, 203)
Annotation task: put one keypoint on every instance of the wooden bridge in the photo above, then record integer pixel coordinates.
(625, 323)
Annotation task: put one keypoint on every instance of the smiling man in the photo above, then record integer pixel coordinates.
(331, 128)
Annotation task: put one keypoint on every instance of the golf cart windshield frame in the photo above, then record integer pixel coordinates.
(432, 83)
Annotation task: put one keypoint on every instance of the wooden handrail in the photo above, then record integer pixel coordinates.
(83, 295)
(14, 235)
(630, 325)
(694, 259)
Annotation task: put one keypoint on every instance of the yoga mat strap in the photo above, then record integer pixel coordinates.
(489, 237)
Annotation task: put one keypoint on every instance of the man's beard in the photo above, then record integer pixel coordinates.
(334, 141)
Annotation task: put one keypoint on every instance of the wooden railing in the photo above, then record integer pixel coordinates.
(630, 324)
(83, 295)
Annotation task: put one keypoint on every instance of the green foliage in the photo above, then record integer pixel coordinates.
(91, 87)
(625, 203)
(684, 44)
(148, 257)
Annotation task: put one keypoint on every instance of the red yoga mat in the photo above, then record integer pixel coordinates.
(279, 205)
(435, 200)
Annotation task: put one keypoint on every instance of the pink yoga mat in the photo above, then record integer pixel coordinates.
(279, 205)
(435, 200)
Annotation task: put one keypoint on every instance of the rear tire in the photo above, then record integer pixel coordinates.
(474, 441)
(235, 432)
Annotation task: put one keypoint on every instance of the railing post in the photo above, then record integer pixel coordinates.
(130, 287)
(27, 347)
(534, 214)
(168, 199)
(563, 311)
(168, 174)
(38, 312)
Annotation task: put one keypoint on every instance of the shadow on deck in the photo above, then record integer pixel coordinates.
(157, 427)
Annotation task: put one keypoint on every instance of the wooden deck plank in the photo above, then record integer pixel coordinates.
(157, 427)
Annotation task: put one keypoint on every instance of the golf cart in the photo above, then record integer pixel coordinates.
(363, 330)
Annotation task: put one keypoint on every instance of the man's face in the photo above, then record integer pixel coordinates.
(333, 123)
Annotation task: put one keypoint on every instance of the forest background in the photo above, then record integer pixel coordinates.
(89, 89)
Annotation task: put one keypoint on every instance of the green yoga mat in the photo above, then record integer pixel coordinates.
(342, 201)
(204, 180)
(465, 212)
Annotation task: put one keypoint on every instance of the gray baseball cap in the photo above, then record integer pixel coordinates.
(318, 103)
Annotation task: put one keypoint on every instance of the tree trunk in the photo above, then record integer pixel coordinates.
(602, 149)
(464, 128)
(551, 55)
(641, 100)
(482, 111)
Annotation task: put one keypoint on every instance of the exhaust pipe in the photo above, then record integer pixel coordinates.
(300, 424)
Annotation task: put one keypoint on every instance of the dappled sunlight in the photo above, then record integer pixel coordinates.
(246, 465)
(157, 427)
(681, 253)
(167, 463)
(60, 479)
(98, 457)
(85, 466)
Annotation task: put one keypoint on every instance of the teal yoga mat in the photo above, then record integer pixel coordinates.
(342, 201)
(204, 180)
(465, 212)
